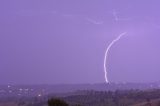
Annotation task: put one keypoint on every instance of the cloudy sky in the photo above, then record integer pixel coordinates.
(64, 41)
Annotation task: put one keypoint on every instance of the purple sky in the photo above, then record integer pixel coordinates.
(64, 41)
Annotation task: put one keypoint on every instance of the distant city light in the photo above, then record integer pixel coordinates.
(20, 89)
(8, 86)
(39, 95)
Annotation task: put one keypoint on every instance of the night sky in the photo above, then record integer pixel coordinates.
(64, 41)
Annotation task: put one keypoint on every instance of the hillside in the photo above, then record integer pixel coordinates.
(155, 102)
(129, 97)
(9, 104)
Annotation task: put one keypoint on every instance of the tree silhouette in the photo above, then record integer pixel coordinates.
(56, 102)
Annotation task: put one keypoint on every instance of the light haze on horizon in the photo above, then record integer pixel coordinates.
(64, 41)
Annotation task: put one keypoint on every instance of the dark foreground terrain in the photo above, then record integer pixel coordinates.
(93, 98)
(38, 96)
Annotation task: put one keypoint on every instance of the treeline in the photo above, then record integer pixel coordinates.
(112, 98)
(95, 98)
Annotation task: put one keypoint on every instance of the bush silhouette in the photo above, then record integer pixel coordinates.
(56, 102)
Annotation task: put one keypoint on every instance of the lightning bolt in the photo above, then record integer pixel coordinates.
(107, 51)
